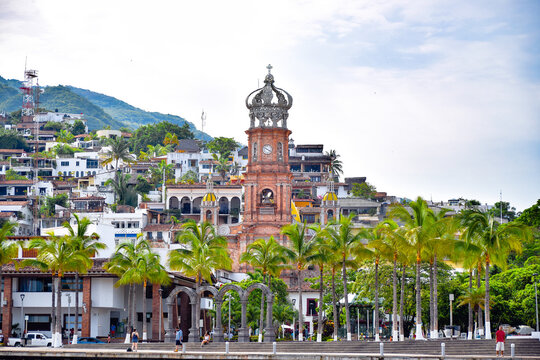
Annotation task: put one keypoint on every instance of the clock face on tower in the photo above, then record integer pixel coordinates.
(267, 149)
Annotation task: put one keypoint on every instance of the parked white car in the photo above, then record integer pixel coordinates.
(31, 339)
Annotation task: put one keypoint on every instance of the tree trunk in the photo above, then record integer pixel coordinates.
(58, 311)
(395, 333)
(376, 317)
(53, 304)
(431, 294)
(419, 335)
(334, 305)
(401, 305)
(480, 315)
(133, 306)
(261, 318)
(346, 293)
(198, 306)
(130, 319)
(470, 329)
(486, 305)
(144, 326)
(300, 308)
(435, 299)
(76, 331)
(320, 325)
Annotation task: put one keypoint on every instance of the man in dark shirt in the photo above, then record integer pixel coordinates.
(500, 336)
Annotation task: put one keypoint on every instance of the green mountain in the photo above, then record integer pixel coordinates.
(100, 110)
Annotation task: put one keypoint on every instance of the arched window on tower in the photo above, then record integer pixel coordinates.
(330, 215)
(254, 151)
(280, 151)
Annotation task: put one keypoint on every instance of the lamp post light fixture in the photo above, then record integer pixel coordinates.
(160, 310)
(536, 299)
(22, 314)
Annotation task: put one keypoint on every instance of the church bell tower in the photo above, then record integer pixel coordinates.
(268, 180)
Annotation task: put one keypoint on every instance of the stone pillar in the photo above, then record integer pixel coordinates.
(87, 306)
(156, 313)
(194, 329)
(7, 309)
(169, 330)
(243, 334)
(269, 334)
(218, 330)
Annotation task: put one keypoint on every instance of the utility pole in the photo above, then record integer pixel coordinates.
(500, 203)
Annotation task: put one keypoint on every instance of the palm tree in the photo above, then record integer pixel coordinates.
(495, 242)
(417, 227)
(299, 252)
(336, 166)
(223, 165)
(323, 256)
(87, 245)
(475, 299)
(64, 136)
(125, 263)
(268, 256)
(153, 151)
(120, 186)
(119, 151)
(58, 256)
(203, 253)
(348, 247)
(171, 139)
(151, 270)
(440, 244)
(8, 250)
(162, 172)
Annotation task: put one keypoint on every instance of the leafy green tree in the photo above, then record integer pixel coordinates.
(77, 128)
(8, 250)
(204, 252)
(418, 234)
(65, 149)
(153, 151)
(53, 126)
(189, 177)
(48, 208)
(268, 256)
(531, 215)
(508, 212)
(10, 139)
(171, 139)
(336, 166)
(85, 244)
(364, 190)
(143, 186)
(163, 169)
(222, 146)
(57, 255)
(12, 175)
(495, 243)
(299, 253)
(222, 166)
(64, 136)
(119, 151)
(155, 134)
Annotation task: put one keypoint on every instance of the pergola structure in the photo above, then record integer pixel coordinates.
(243, 334)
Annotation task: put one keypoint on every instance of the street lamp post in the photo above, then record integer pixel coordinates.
(536, 300)
(229, 328)
(451, 319)
(160, 311)
(22, 314)
(69, 316)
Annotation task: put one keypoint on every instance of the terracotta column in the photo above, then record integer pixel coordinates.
(87, 306)
(7, 308)
(156, 313)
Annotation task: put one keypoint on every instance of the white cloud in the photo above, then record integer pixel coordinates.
(423, 98)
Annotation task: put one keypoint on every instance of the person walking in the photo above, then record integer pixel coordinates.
(135, 339)
(500, 336)
(178, 338)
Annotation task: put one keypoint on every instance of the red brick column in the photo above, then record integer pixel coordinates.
(7, 309)
(155, 313)
(87, 303)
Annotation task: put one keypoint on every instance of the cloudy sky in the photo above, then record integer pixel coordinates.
(433, 98)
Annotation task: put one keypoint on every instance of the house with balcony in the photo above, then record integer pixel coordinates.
(78, 165)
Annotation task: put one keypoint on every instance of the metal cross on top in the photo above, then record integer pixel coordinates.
(269, 67)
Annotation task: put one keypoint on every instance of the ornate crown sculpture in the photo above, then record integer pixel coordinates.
(261, 107)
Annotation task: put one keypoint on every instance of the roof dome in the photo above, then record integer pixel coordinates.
(209, 197)
(330, 196)
(268, 112)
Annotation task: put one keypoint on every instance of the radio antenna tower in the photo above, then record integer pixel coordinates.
(28, 87)
(203, 120)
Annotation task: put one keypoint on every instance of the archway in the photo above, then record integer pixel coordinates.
(173, 202)
(185, 205)
(193, 298)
